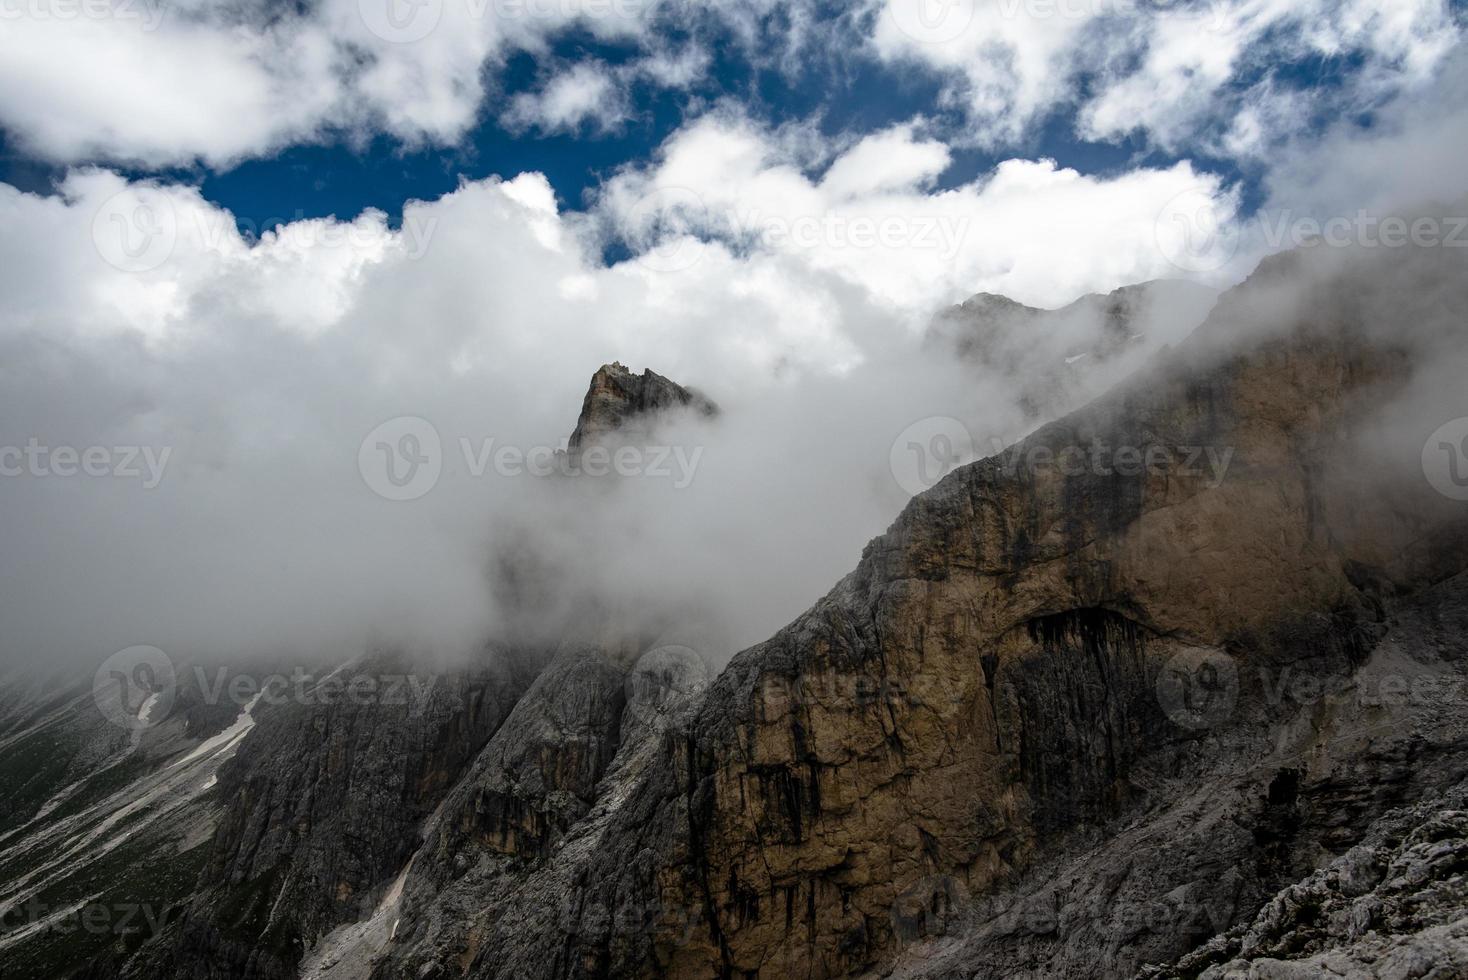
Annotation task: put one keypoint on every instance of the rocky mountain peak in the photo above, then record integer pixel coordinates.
(1071, 354)
(626, 403)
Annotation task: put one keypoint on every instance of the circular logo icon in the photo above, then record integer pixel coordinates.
(1196, 233)
(926, 907)
(1198, 688)
(401, 459)
(1445, 460)
(1212, 13)
(928, 450)
(400, 21)
(662, 223)
(135, 230)
(663, 680)
(135, 688)
(932, 21)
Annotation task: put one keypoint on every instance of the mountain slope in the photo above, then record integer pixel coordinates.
(986, 683)
(1084, 681)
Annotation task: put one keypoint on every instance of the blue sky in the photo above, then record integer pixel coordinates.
(829, 83)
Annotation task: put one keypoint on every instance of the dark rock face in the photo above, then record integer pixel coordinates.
(332, 799)
(538, 775)
(992, 689)
(1394, 905)
(1069, 717)
(327, 803)
(624, 403)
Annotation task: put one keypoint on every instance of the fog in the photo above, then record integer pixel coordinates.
(213, 409)
(262, 538)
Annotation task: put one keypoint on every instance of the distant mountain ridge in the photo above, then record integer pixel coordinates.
(1071, 353)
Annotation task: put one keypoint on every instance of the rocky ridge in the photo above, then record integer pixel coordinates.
(1053, 724)
(622, 404)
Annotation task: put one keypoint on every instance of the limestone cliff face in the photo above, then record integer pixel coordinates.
(1064, 686)
(324, 802)
(621, 403)
(1045, 643)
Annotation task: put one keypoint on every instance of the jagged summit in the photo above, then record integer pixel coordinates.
(621, 401)
(1059, 351)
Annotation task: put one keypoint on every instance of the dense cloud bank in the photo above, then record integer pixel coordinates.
(187, 413)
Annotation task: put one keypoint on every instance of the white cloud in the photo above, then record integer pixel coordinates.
(1167, 72)
(262, 367)
(676, 69)
(585, 92)
(166, 83)
(886, 160)
(162, 84)
(1031, 230)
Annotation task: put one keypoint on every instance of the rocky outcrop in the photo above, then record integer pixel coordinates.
(325, 805)
(1291, 776)
(334, 797)
(625, 404)
(1395, 905)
